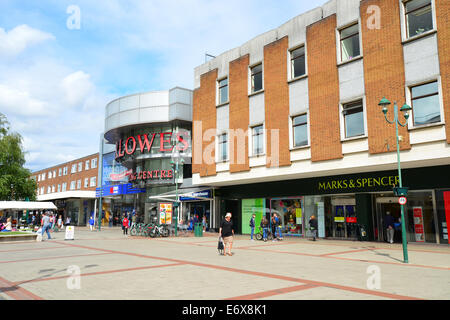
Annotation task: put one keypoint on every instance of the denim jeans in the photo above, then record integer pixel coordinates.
(253, 232)
(265, 233)
(45, 228)
(278, 231)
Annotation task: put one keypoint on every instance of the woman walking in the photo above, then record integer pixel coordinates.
(125, 225)
(226, 231)
(265, 227)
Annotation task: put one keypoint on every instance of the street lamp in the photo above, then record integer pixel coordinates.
(405, 109)
(176, 160)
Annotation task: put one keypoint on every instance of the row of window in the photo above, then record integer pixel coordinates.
(63, 171)
(74, 185)
(426, 110)
(418, 19)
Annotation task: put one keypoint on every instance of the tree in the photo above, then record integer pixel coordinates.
(15, 180)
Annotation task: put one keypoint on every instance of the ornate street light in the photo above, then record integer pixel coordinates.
(401, 190)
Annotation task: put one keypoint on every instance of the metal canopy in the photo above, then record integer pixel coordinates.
(26, 205)
(188, 193)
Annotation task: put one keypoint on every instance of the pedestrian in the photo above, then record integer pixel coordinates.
(313, 226)
(273, 226)
(59, 223)
(265, 228)
(52, 221)
(252, 226)
(204, 223)
(33, 219)
(68, 221)
(133, 219)
(278, 228)
(125, 225)
(46, 225)
(91, 223)
(226, 231)
(389, 227)
(7, 226)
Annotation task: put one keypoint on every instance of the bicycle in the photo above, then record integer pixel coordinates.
(161, 230)
(259, 235)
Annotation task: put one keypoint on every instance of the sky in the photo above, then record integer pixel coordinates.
(61, 62)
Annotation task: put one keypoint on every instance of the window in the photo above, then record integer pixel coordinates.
(93, 182)
(79, 184)
(93, 163)
(223, 147)
(80, 166)
(53, 189)
(59, 172)
(300, 126)
(72, 185)
(49, 189)
(50, 175)
(65, 171)
(419, 18)
(257, 81)
(350, 43)
(59, 188)
(64, 187)
(86, 182)
(223, 91)
(42, 190)
(258, 140)
(74, 168)
(425, 104)
(43, 176)
(353, 114)
(298, 67)
(54, 173)
(39, 177)
(86, 165)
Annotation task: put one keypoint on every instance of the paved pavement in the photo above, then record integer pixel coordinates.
(108, 265)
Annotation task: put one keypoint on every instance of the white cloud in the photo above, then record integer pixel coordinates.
(18, 39)
(76, 87)
(19, 102)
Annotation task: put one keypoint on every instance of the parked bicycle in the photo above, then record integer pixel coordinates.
(259, 234)
(161, 230)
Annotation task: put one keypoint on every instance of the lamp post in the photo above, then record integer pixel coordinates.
(405, 109)
(176, 160)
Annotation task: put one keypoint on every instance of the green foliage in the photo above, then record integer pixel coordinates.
(15, 181)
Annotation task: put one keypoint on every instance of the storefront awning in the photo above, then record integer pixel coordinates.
(191, 194)
(26, 205)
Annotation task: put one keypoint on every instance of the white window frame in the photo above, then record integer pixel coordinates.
(80, 166)
(291, 131)
(59, 172)
(218, 153)
(403, 23)
(73, 185)
(65, 171)
(39, 177)
(289, 62)
(94, 163)
(342, 118)
(49, 189)
(64, 187)
(49, 174)
(339, 45)
(250, 141)
(218, 103)
(74, 168)
(78, 184)
(59, 187)
(250, 88)
(408, 88)
(53, 188)
(42, 190)
(43, 176)
(86, 182)
(86, 165)
(93, 182)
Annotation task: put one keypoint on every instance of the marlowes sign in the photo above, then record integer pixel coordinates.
(144, 143)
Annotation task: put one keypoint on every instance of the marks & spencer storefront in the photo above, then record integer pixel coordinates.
(342, 202)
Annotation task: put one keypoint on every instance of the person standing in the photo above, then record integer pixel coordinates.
(7, 225)
(265, 228)
(252, 226)
(277, 228)
(204, 223)
(226, 231)
(68, 221)
(133, 220)
(59, 223)
(46, 225)
(91, 223)
(125, 224)
(313, 226)
(389, 227)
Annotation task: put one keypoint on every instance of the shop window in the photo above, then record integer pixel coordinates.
(257, 78)
(418, 17)
(290, 212)
(223, 91)
(223, 147)
(350, 43)
(298, 66)
(353, 114)
(425, 104)
(300, 128)
(258, 140)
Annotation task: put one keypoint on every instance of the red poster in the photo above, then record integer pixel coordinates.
(447, 210)
(418, 224)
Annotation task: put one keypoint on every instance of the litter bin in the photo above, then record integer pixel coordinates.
(362, 233)
(198, 230)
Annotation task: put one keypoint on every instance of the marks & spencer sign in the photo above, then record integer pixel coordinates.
(358, 183)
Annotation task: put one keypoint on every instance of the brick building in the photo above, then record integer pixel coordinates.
(289, 122)
(71, 187)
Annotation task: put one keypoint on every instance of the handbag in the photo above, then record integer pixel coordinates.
(220, 244)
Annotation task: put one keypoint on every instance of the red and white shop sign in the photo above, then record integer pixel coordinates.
(418, 224)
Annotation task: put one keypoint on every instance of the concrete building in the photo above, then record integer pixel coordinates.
(71, 187)
(289, 122)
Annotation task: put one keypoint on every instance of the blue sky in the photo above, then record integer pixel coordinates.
(56, 81)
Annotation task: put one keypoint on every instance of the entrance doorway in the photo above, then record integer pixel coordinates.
(385, 205)
(343, 224)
